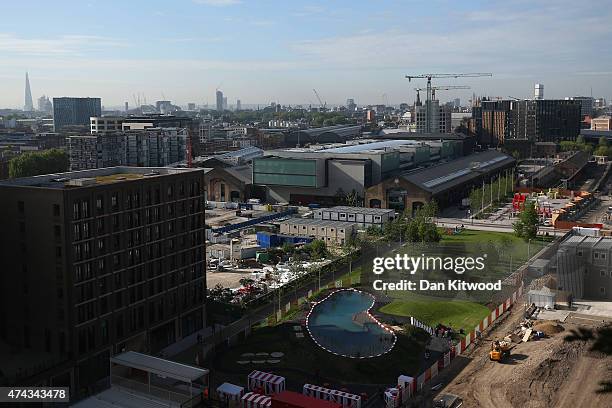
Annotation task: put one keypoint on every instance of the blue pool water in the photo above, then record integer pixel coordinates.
(339, 324)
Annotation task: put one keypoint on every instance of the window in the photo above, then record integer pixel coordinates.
(21, 206)
(85, 208)
(579, 253)
(115, 201)
(602, 290)
(100, 203)
(76, 211)
(56, 210)
(602, 273)
(100, 225)
(57, 231)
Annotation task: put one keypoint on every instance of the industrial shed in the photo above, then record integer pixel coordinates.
(542, 298)
(447, 183)
(328, 134)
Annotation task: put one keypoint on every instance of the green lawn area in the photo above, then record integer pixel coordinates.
(303, 359)
(458, 314)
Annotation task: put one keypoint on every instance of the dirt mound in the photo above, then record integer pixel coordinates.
(549, 328)
(537, 381)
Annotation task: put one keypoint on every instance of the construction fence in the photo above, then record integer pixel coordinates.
(457, 349)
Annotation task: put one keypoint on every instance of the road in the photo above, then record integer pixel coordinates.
(485, 225)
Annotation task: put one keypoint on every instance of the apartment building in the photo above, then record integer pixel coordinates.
(152, 147)
(100, 261)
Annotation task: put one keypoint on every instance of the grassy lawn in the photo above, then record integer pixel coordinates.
(504, 253)
(455, 313)
(303, 359)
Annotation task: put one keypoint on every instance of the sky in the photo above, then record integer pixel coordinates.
(260, 51)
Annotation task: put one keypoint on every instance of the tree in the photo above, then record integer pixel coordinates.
(527, 225)
(37, 163)
(353, 199)
(603, 141)
(317, 249)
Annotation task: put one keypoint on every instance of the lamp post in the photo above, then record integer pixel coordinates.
(528, 249)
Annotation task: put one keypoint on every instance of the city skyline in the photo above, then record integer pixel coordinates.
(273, 51)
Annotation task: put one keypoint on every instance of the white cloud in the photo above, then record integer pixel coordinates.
(62, 45)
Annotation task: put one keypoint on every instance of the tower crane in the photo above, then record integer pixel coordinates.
(428, 77)
(323, 105)
(441, 88)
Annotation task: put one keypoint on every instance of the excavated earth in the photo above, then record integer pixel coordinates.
(545, 373)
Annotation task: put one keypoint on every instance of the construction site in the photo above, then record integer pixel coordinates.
(522, 361)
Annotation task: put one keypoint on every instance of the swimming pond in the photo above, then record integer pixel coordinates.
(341, 324)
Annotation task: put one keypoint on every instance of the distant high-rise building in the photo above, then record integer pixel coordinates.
(219, 96)
(350, 104)
(127, 107)
(225, 106)
(75, 111)
(191, 106)
(546, 120)
(28, 104)
(44, 104)
(439, 120)
(457, 103)
(538, 91)
(238, 105)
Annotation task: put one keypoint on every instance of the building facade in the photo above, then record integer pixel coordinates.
(75, 111)
(541, 120)
(333, 233)
(602, 123)
(100, 261)
(103, 124)
(364, 217)
(584, 267)
(153, 147)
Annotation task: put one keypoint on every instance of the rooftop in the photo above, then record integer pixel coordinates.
(359, 210)
(87, 178)
(587, 241)
(446, 175)
(318, 223)
(159, 366)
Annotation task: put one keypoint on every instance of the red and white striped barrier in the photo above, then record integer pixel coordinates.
(266, 382)
(343, 398)
(253, 400)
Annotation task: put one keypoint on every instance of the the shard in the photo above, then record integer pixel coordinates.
(28, 105)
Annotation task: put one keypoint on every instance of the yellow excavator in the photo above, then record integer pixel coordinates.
(500, 349)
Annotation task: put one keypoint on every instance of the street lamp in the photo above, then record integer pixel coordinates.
(528, 249)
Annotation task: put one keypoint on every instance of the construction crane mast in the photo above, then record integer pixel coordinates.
(429, 89)
(323, 105)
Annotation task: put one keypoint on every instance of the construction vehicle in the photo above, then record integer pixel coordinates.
(500, 350)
